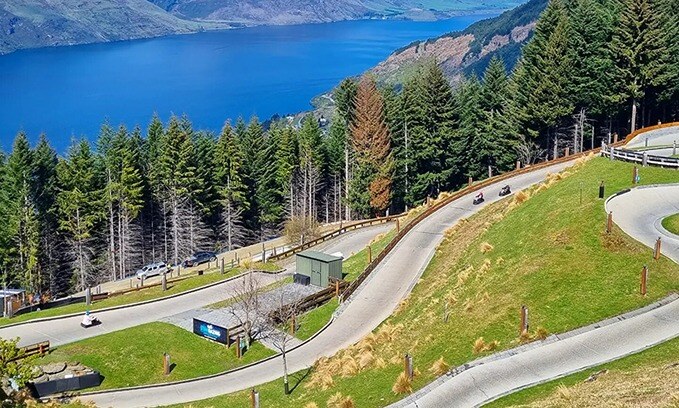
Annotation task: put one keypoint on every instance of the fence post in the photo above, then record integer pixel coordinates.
(166, 364)
(221, 267)
(408, 366)
(254, 398)
(524, 319)
(609, 223)
(644, 280)
(398, 225)
(644, 159)
(370, 254)
(263, 253)
(568, 151)
(470, 181)
(239, 351)
(674, 148)
(635, 175)
(142, 281)
(337, 288)
(615, 137)
(88, 296)
(164, 282)
(518, 165)
(656, 254)
(612, 154)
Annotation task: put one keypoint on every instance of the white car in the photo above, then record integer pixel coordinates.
(153, 269)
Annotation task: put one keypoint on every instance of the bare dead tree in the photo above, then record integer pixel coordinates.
(528, 151)
(246, 308)
(231, 226)
(284, 313)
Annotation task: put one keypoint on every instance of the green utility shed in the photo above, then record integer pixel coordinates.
(318, 267)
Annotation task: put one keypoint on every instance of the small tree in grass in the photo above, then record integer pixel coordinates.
(284, 313)
(13, 364)
(246, 308)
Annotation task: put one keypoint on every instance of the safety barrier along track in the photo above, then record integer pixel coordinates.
(354, 322)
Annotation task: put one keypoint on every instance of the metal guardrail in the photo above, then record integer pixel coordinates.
(333, 234)
(642, 158)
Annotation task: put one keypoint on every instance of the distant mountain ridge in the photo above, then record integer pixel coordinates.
(42, 23)
(470, 50)
(317, 11)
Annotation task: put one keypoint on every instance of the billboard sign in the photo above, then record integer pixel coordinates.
(211, 331)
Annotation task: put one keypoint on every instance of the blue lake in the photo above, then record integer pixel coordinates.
(68, 92)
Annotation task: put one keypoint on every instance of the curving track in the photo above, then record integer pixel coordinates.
(638, 213)
(373, 302)
(67, 329)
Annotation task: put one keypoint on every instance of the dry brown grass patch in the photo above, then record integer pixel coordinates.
(349, 366)
(439, 367)
(403, 385)
(340, 401)
(311, 405)
(480, 346)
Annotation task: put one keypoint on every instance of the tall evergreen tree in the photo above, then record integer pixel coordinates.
(371, 184)
(20, 173)
(232, 190)
(77, 215)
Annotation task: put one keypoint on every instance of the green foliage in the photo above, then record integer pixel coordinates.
(13, 364)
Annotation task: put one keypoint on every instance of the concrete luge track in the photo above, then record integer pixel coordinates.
(63, 330)
(638, 213)
(370, 305)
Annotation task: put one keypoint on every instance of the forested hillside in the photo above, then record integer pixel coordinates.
(470, 50)
(592, 68)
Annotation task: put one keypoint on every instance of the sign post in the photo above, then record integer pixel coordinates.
(644, 280)
(524, 319)
(166, 364)
(656, 254)
(609, 223)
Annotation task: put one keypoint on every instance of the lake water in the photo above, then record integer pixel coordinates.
(68, 92)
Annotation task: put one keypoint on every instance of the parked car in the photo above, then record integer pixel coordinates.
(153, 269)
(200, 258)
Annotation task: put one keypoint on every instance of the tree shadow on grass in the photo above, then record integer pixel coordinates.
(298, 378)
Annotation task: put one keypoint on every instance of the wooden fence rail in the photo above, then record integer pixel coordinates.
(469, 189)
(333, 234)
(39, 349)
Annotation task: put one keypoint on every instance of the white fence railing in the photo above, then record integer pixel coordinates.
(645, 159)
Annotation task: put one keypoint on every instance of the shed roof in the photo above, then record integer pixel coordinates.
(10, 292)
(319, 256)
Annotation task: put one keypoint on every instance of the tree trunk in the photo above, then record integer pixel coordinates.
(634, 116)
(112, 239)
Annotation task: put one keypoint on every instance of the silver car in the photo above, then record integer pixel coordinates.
(153, 269)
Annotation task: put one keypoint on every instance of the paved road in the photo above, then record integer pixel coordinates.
(665, 136)
(67, 330)
(638, 213)
(494, 379)
(372, 303)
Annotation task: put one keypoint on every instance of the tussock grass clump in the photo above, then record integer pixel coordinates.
(349, 366)
(480, 346)
(311, 405)
(439, 367)
(340, 401)
(486, 247)
(539, 334)
(564, 393)
(403, 385)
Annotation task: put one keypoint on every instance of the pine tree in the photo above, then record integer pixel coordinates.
(371, 184)
(45, 190)
(177, 180)
(334, 145)
(20, 173)
(77, 216)
(232, 190)
(493, 148)
(639, 50)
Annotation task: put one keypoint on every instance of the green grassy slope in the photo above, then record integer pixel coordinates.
(134, 356)
(550, 252)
